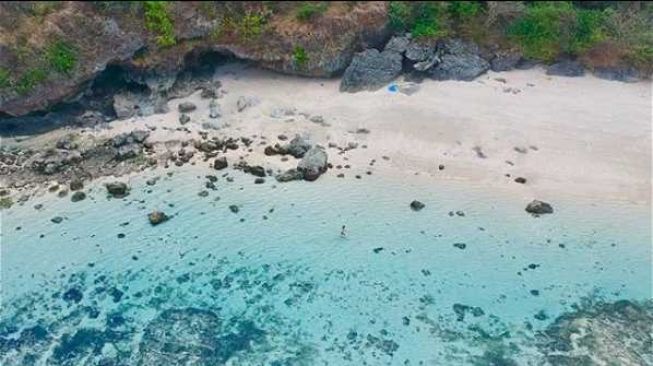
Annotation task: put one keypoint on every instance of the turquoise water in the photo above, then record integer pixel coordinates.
(276, 284)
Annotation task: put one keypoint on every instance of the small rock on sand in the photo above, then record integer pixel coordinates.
(220, 163)
(234, 208)
(539, 208)
(117, 189)
(417, 205)
(57, 219)
(186, 107)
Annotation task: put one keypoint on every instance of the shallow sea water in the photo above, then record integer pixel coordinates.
(276, 284)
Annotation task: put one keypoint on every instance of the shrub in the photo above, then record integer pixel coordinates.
(420, 18)
(549, 28)
(158, 20)
(251, 25)
(463, 10)
(309, 10)
(61, 57)
(29, 80)
(299, 56)
(4, 78)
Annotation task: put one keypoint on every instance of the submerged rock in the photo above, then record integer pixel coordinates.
(117, 189)
(78, 196)
(538, 208)
(371, 70)
(313, 164)
(157, 217)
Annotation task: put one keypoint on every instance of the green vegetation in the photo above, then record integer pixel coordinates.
(463, 10)
(4, 78)
(299, 56)
(61, 57)
(29, 80)
(251, 25)
(159, 21)
(548, 29)
(6, 202)
(310, 9)
(42, 8)
(422, 19)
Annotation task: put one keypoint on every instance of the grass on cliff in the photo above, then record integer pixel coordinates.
(422, 19)
(299, 56)
(158, 20)
(61, 57)
(4, 78)
(548, 29)
(30, 79)
(308, 10)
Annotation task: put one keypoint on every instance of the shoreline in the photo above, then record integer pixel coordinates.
(472, 130)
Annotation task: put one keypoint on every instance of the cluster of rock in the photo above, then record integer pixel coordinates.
(313, 161)
(129, 144)
(450, 59)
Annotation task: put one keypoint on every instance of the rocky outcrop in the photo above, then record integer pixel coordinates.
(289, 175)
(371, 70)
(618, 73)
(313, 164)
(297, 147)
(568, 68)
(458, 61)
(504, 61)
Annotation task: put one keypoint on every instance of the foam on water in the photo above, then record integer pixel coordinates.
(283, 287)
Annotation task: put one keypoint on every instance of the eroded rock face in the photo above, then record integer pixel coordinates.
(371, 70)
(114, 33)
(568, 68)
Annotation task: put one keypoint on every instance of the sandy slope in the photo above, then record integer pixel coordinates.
(584, 137)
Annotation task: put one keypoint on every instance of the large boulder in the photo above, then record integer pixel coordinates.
(297, 147)
(458, 61)
(397, 44)
(371, 70)
(220, 163)
(313, 164)
(539, 208)
(568, 68)
(504, 61)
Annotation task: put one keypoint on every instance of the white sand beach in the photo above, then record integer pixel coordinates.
(583, 138)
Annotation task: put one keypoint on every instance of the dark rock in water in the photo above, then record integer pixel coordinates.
(520, 180)
(273, 150)
(387, 346)
(417, 205)
(220, 163)
(192, 336)
(259, 181)
(184, 118)
(117, 189)
(371, 70)
(76, 184)
(504, 61)
(567, 68)
(157, 217)
(297, 147)
(626, 74)
(541, 315)
(73, 295)
(203, 193)
(86, 343)
(186, 107)
(57, 219)
(377, 250)
(289, 175)
(459, 61)
(617, 333)
(462, 310)
(78, 196)
(460, 246)
(313, 164)
(538, 208)
(234, 208)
